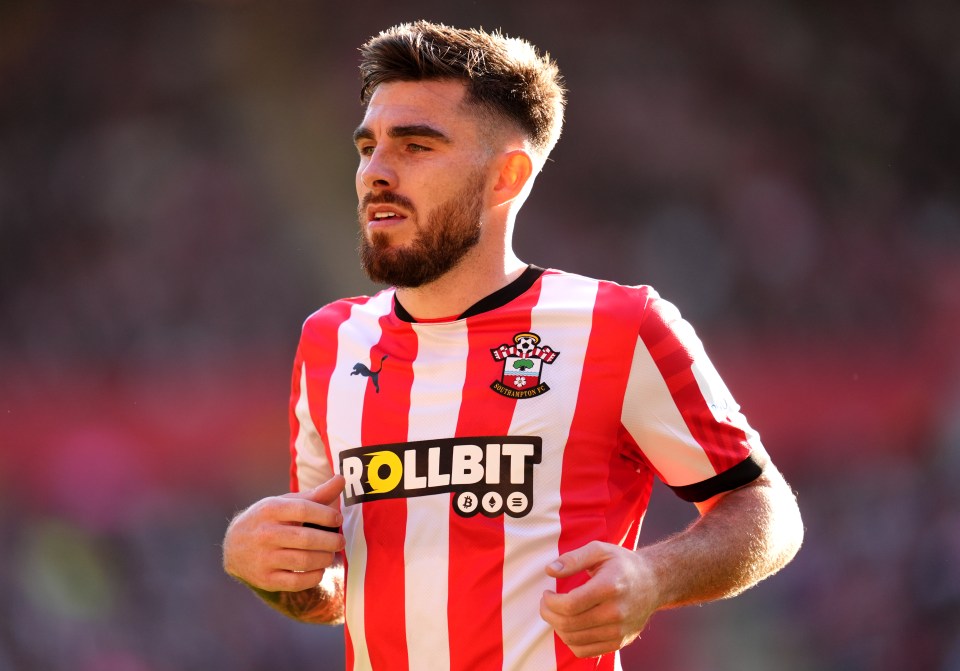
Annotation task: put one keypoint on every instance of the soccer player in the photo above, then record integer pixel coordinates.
(473, 448)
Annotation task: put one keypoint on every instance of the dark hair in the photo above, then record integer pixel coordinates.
(505, 76)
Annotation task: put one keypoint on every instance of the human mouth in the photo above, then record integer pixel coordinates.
(383, 203)
(384, 216)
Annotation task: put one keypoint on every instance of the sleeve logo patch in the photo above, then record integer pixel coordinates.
(489, 475)
(523, 363)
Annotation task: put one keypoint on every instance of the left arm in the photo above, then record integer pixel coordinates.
(742, 537)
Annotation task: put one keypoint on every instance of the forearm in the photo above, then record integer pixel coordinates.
(322, 604)
(746, 536)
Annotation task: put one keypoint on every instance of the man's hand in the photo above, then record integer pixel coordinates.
(609, 610)
(267, 546)
(742, 537)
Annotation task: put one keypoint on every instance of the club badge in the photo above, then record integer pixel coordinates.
(523, 363)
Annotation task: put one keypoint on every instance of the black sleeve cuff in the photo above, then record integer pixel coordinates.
(743, 473)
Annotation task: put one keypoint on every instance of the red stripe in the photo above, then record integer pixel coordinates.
(318, 347)
(386, 420)
(725, 444)
(632, 484)
(599, 489)
(475, 608)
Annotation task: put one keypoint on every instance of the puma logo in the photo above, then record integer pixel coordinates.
(374, 375)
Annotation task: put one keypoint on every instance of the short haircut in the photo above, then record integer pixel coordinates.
(506, 77)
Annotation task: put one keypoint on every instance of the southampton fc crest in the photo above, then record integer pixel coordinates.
(523, 363)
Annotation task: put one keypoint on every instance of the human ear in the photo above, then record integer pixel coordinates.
(516, 167)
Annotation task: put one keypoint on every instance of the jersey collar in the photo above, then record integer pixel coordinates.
(497, 299)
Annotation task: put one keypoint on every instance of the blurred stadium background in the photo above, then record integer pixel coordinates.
(176, 196)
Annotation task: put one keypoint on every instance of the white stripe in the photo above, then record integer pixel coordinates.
(344, 419)
(356, 550)
(312, 465)
(651, 416)
(563, 319)
(441, 364)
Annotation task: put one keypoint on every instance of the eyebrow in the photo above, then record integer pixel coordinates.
(414, 130)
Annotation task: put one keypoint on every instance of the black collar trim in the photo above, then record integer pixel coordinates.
(497, 299)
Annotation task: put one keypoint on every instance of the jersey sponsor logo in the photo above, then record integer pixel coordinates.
(523, 363)
(489, 475)
(374, 375)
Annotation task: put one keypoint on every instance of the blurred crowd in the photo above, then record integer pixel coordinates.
(176, 196)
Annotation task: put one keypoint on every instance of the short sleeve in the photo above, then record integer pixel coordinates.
(680, 414)
(309, 463)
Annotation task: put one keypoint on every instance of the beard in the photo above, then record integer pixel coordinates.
(449, 231)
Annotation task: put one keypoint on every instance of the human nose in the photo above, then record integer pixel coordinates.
(375, 171)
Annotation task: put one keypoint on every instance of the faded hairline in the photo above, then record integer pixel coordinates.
(509, 83)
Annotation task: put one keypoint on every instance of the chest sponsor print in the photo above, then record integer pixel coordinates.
(489, 475)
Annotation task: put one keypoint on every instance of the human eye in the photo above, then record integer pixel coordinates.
(365, 149)
(417, 148)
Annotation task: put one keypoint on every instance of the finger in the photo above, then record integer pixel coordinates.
(323, 519)
(297, 537)
(595, 649)
(585, 641)
(295, 511)
(551, 613)
(329, 492)
(302, 561)
(326, 492)
(566, 607)
(559, 607)
(580, 599)
(584, 558)
(316, 508)
(565, 615)
(292, 581)
(586, 637)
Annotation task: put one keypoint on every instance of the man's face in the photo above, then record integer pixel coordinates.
(420, 183)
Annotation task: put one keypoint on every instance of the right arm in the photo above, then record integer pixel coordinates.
(321, 604)
(293, 568)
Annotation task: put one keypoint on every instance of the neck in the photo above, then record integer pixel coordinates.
(469, 281)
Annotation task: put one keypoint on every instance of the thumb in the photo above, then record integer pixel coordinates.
(586, 558)
(326, 492)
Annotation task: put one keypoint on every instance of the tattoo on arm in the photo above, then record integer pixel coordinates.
(322, 604)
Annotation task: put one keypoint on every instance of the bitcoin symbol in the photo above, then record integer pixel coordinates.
(467, 503)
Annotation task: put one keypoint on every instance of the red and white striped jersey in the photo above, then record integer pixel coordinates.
(479, 449)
